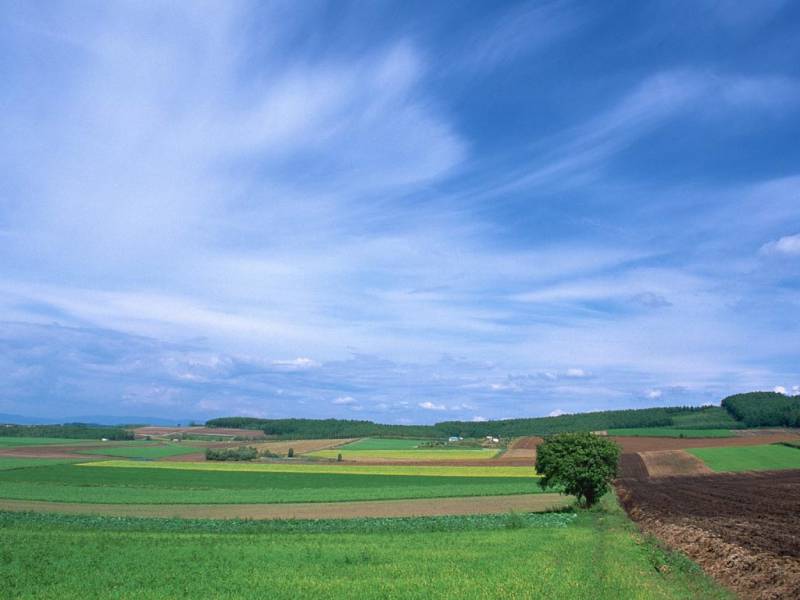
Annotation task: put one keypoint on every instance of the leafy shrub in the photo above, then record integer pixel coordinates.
(240, 453)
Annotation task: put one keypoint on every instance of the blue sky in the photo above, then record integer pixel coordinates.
(406, 212)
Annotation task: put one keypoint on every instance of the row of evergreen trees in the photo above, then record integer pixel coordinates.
(764, 409)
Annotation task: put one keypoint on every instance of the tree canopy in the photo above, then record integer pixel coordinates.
(581, 464)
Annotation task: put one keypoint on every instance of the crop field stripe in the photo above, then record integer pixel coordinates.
(8, 464)
(383, 444)
(142, 485)
(34, 441)
(33, 519)
(400, 470)
(412, 507)
(415, 455)
(749, 458)
(143, 451)
(670, 432)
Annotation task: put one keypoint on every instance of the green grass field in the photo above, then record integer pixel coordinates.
(38, 441)
(7, 463)
(144, 451)
(409, 455)
(670, 432)
(331, 468)
(383, 444)
(596, 555)
(73, 483)
(749, 458)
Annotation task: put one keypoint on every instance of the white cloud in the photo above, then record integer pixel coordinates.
(556, 413)
(779, 389)
(786, 246)
(576, 373)
(653, 394)
(479, 419)
(427, 405)
(344, 400)
(298, 363)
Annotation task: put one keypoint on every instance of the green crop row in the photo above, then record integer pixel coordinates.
(47, 521)
(322, 468)
(73, 483)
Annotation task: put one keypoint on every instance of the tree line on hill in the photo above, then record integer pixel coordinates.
(73, 431)
(764, 409)
(684, 416)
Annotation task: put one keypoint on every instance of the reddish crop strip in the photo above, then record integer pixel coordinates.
(741, 528)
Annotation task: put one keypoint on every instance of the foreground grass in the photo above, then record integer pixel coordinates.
(144, 451)
(331, 468)
(749, 458)
(73, 483)
(595, 555)
(410, 455)
(670, 432)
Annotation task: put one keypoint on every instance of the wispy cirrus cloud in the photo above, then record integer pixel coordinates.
(244, 208)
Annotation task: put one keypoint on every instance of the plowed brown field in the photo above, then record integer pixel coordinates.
(668, 463)
(741, 528)
(525, 443)
(631, 466)
(646, 444)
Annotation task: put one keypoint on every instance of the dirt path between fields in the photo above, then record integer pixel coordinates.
(479, 505)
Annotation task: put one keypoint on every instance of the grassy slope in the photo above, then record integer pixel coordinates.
(597, 556)
(38, 441)
(383, 444)
(331, 468)
(669, 432)
(133, 451)
(20, 463)
(70, 483)
(749, 458)
(411, 455)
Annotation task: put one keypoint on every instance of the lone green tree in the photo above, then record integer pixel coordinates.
(581, 464)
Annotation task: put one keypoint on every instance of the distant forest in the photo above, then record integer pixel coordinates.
(73, 431)
(685, 417)
(764, 409)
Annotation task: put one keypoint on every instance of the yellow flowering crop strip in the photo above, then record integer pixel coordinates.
(408, 470)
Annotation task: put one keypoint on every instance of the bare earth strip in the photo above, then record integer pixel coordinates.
(667, 463)
(482, 505)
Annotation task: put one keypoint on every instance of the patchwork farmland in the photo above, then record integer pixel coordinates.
(346, 512)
